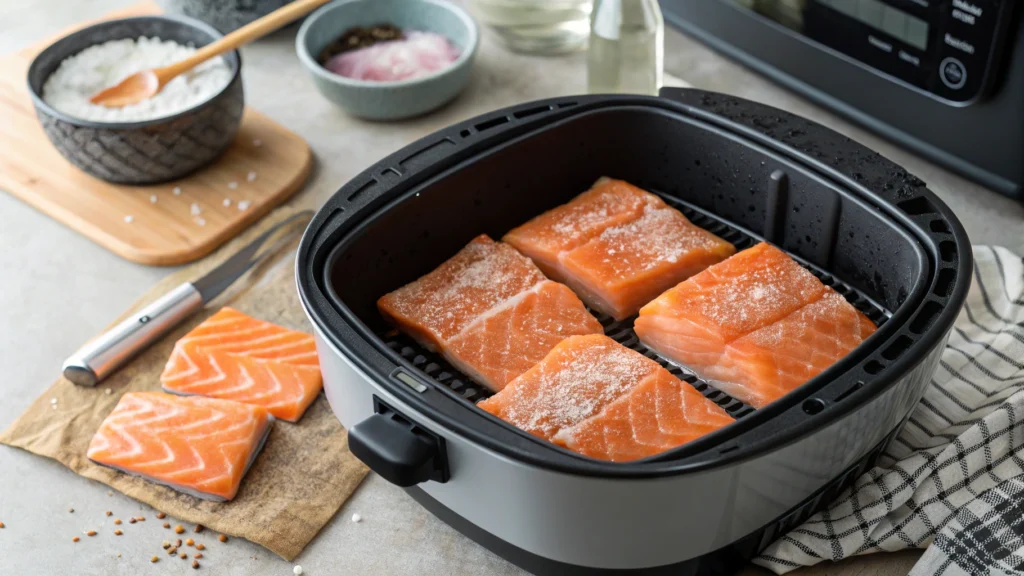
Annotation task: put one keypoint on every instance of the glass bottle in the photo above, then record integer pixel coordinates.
(536, 26)
(627, 52)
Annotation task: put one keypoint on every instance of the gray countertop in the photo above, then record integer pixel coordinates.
(57, 289)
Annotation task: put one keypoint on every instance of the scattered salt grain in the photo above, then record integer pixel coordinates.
(109, 391)
(357, 518)
(53, 400)
(200, 221)
(195, 210)
(251, 176)
(243, 204)
(129, 219)
(233, 185)
(227, 202)
(100, 66)
(297, 570)
(152, 199)
(257, 143)
(177, 191)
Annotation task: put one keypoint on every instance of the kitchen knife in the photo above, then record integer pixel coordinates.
(98, 359)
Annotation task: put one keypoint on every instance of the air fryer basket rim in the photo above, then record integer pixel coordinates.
(888, 188)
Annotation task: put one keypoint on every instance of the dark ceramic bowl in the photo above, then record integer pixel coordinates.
(150, 151)
(224, 15)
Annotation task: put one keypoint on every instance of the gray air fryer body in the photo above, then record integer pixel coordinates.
(742, 170)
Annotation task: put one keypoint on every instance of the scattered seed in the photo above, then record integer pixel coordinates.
(109, 493)
(141, 518)
(71, 510)
(297, 570)
(109, 513)
(75, 539)
(222, 538)
(226, 202)
(154, 559)
(129, 219)
(182, 555)
(200, 546)
(244, 204)
(119, 555)
(357, 518)
(195, 565)
(131, 520)
(200, 221)
(177, 543)
(232, 185)
(152, 199)
(90, 533)
(190, 542)
(166, 544)
(172, 551)
(251, 176)
(2, 525)
(198, 528)
(197, 555)
(257, 143)
(118, 532)
(179, 529)
(161, 515)
(117, 521)
(167, 524)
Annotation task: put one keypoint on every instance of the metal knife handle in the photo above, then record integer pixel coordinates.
(102, 356)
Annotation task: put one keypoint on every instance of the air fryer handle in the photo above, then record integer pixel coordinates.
(400, 451)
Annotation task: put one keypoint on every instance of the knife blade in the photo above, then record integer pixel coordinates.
(99, 358)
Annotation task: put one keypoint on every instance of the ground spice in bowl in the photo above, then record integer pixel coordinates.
(359, 37)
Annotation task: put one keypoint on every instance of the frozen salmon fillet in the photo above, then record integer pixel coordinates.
(694, 321)
(607, 203)
(489, 311)
(438, 306)
(199, 446)
(510, 338)
(766, 364)
(576, 380)
(232, 356)
(630, 264)
(603, 400)
(659, 414)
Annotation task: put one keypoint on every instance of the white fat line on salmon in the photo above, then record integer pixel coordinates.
(497, 308)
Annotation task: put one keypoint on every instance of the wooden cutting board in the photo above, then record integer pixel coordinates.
(146, 224)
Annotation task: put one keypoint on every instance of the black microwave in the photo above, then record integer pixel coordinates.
(944, 78)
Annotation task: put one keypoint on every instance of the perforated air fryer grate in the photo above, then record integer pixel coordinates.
(440, 371)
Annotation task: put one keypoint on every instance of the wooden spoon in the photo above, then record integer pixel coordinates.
(145, 84)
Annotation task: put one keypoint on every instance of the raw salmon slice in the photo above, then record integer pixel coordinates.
(508, 339)
(199, 446)
(764, 365)
(438, 306)
(629, 264)
(659, 414)
(576, 380)
(233, 356)
(286, 390)
(693, 322)
(608, 203)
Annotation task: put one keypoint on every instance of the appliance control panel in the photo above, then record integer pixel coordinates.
(942, 47)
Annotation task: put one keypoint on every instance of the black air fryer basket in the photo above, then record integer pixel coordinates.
(742, 170)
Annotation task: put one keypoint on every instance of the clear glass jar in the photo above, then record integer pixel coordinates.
(537, 26)
(626, 53)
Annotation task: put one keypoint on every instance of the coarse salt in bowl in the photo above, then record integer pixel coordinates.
(166, 138)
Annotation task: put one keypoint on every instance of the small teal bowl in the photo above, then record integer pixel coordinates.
(389, 100)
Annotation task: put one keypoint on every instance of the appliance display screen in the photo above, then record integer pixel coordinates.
(892, 21)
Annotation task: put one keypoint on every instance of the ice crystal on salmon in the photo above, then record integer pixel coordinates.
(758, 325)
(489, 311)
(200, 446)
(233, 356)
(618, 246)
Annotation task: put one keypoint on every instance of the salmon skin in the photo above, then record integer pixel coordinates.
(233, 356)
(199, 446)
(596, 397)
(618, 246)
(489, 311)
(757, 325)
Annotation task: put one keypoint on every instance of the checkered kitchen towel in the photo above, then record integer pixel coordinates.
(954, 478)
